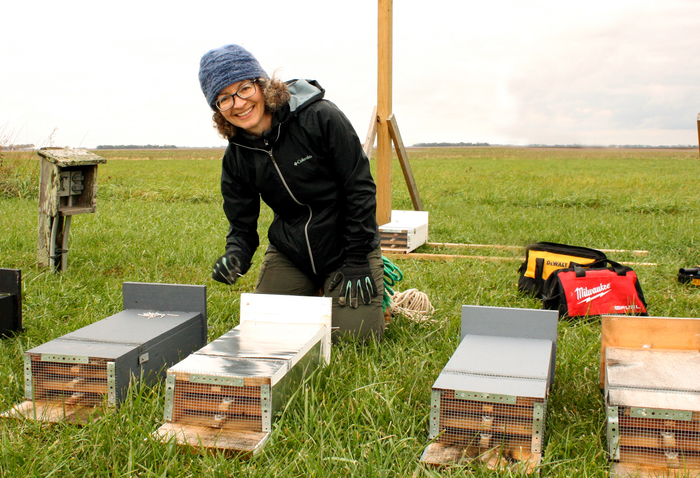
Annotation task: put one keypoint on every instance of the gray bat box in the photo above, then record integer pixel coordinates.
(490, 400)
(10, 301)
(226, 395)
(74, 377)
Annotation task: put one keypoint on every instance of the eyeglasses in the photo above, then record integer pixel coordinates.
(245, 91)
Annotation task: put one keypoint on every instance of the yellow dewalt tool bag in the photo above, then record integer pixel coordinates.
(543, 258)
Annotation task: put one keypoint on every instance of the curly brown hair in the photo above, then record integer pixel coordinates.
(274, 92)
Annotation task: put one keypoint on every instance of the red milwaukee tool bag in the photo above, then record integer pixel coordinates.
(594, 290)
(543, 258)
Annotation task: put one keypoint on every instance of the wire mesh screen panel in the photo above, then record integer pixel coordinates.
(71, 388)
(489, 427)
(653, 405)
(223, 405)
(489, 402)
(69, 383)
(225, 395)
(485, 425)
(672, 439)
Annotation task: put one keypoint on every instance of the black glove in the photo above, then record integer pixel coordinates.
(227, 269)
(356, 283)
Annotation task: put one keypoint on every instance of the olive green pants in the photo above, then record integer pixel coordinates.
(279, 276)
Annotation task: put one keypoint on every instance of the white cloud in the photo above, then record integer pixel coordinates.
(502, 72)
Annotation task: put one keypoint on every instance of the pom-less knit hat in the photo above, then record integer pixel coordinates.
(224, 66)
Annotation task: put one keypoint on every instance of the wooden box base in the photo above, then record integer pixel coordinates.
(203, 439)
(441, 454)
(53, 412)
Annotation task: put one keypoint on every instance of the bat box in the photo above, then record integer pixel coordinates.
(489, 402)
(651, 379)
(226, 395)
(74, 377)
(407, 231)
(10, 301)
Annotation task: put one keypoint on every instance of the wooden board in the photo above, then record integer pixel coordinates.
(54, 412)
(485, 408)
(647, 333)
(245, 442)
(472, 425)
(656, 460)
(660, 439)
(627, 470)
(437, 454)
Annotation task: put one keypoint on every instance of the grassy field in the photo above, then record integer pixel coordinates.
(159, 219)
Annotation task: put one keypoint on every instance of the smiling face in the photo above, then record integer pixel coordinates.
(247, 114)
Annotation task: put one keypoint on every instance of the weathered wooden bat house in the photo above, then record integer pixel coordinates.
(67, 187)
(650, 370)
(489, 403)
(80, 375)
(226, 395)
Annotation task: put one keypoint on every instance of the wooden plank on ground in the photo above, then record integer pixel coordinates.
(55, 412)
(452, 245)
(449, 257)
(245, 442)
(438, 454)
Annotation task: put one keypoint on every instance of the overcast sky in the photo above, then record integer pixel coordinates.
(88, 73)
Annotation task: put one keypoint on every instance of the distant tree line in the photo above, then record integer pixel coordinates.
(619, 146)
(16, 147)
(136, 146)
(447, 145)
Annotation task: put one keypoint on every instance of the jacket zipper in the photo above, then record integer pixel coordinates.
(289, 191)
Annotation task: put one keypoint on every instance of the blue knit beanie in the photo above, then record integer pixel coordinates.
(224, 66)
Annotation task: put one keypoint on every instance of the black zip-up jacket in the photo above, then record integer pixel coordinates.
(309, 167)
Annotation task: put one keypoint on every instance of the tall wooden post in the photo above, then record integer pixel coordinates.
(384, 111)
(698, 130)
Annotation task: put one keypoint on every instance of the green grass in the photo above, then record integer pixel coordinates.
(159, 219)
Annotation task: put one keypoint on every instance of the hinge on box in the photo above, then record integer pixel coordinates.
(214, 380)
(169, 397)
(266, 407)
(538, 415)
(111, 384)
(65, 358)
(434, 414)
(28, 389)
(613, 433)
(486, 397)
(655, 413)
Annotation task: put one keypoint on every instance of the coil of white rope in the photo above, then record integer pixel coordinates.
(413, 304)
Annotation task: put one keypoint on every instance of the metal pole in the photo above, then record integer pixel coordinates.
(384, 84)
